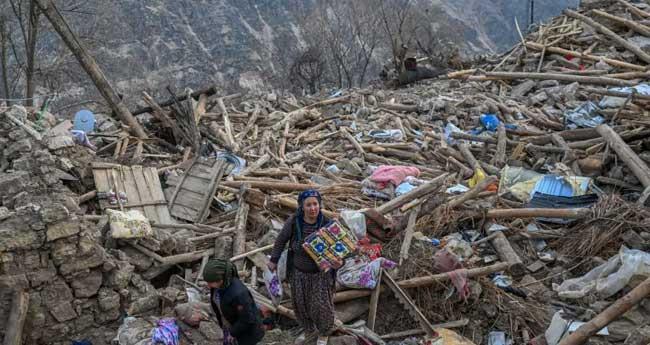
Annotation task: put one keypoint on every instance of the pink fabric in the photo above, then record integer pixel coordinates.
(394, 174)
(459, 279)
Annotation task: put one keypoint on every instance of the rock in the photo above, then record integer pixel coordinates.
(108, 299)
(645, 235)
(120, 277)
(22, 163)
(41, 276)
(19, 112)
(211, 331)
(5, 213)
(523, 88)
(548, 83)
(634, 240)
(12, 183)
(54, 213)
(140, 261)
(84, 322)
(87, 285)
(640, 336)
(12, 238)
(107, 316)
(602, 65)
(55, 292)
(59, 142)
(81, 263)
(144, 304)
(342, 340)
(62, 229)
(641, 41)
(538, 98)
(63, 312)
(63, 250)
(18, 147)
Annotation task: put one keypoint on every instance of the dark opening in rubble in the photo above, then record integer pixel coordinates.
(162, 280)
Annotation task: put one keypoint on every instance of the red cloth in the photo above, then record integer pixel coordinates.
(394, 174)
(459, 279)
(372, 251)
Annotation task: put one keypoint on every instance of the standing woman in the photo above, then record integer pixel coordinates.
(312, 291)
(233, 304)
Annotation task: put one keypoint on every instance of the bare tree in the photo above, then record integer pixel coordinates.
(308, 69)
(4, 65)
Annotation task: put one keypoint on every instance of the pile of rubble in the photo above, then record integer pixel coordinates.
(513, 211)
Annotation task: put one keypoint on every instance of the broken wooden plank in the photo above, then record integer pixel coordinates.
(502, 141)
(569, 156)
(418, 192)
(193, 194)
(408, 235)
(507, 254)
(639, 167)
(239, 242)
(374, 300)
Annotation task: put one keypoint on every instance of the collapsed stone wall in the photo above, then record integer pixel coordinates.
(78, 289)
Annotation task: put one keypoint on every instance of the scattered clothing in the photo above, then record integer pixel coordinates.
(166, 332)
(394, 174)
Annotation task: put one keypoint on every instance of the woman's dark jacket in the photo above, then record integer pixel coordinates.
(238, 307)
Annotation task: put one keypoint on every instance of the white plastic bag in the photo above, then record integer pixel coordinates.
(273, 286)
(130, 224)
(608, 278)
(355, 221)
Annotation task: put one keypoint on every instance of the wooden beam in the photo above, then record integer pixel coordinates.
(16, 321)
(418, 192)
(90, 66)
(569, 157)
(408, 235)
(638, 27)
(422, 281)
(239, 242)
(506, 253)
(374, 300)
(637, 165)
(613, 312)
(613, 62)
(561, 77)
(643, 56)
(502, 141)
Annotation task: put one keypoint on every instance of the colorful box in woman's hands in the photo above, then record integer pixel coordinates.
(329, 246)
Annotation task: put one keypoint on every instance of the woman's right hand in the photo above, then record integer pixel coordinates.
(272, 266)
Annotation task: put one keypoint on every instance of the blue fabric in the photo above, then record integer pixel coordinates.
(490, 122)
(166, 332)
(82, 342)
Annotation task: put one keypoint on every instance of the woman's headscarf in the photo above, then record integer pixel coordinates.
(300, 213)
(220, 269)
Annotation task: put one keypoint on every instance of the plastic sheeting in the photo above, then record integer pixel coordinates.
(608, 278)
(617, 102)
(585, 115)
